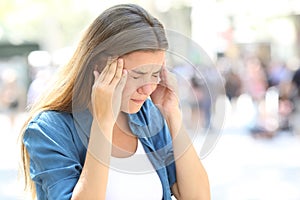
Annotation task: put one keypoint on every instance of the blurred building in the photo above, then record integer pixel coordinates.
(267, 29)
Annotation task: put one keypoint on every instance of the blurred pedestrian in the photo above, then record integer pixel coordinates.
(255, 79)
(295, 97)
(38, 85)
(279, 76)
(11, 98)
(256, 84)
(201, 106)
(113, 100)
(296, 81)
(233, 85)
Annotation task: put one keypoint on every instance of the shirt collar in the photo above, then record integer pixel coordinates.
(147, 119)
(147, 122)
(136, 119)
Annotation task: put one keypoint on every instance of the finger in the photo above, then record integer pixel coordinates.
(122, 82)
(168, 79)
(110, 73)
(172, 82)
(105, 69)
(163, 75)
(96, 75)
(118, 73)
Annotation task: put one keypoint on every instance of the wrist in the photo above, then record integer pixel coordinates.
(105, 128)
(174, 121)
(175, 116)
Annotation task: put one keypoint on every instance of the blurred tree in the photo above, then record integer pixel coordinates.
(52, 23)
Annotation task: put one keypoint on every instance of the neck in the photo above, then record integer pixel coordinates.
(122, 124)
(124, 142)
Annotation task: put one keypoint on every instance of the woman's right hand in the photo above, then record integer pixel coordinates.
(107, 93)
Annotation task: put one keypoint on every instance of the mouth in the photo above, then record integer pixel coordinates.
(138, 101)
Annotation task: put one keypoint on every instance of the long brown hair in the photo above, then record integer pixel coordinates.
(119, 30)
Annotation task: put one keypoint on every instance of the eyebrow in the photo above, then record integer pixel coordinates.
(143, 73)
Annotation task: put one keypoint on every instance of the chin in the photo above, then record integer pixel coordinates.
(132, 109)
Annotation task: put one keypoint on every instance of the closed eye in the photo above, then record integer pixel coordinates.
(156, 74)
(136, 77)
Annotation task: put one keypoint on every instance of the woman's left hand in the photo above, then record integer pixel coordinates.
(165, 97)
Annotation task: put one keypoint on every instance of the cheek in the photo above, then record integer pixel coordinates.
(129, 90)
(154, 87)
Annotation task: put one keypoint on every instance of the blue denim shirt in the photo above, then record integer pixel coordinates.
(57, 141)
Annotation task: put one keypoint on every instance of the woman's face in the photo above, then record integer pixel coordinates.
(143, 76)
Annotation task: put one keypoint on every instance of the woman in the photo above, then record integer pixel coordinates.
(101, 111)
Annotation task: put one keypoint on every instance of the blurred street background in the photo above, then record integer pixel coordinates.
(253, 45)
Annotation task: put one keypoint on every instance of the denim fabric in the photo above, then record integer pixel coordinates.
(57, 141)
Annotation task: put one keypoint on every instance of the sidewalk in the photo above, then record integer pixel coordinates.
(243, 168)
(11, 188)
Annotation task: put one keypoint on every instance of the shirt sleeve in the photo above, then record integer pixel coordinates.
(54, 161)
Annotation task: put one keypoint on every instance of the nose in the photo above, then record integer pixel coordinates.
(147, 89)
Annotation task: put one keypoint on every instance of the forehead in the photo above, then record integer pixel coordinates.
(139, 59)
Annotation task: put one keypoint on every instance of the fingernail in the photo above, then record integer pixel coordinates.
(120, 61)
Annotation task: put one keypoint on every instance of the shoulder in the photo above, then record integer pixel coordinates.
(56, 158)
(51, 116)
(52, 119)
(50, 125)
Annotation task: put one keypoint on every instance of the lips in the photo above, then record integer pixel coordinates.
(138, 101)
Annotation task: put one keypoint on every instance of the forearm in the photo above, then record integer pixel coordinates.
(93, 179)
(192, 180)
